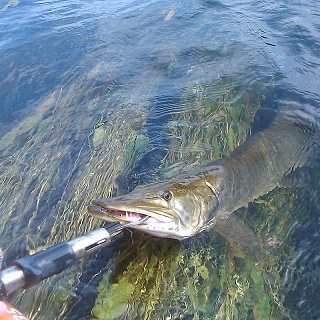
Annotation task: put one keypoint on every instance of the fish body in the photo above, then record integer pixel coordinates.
(206, 197)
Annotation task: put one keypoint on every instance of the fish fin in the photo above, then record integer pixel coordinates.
(233, 228)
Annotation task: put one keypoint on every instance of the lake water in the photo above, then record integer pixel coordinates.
(97, 97)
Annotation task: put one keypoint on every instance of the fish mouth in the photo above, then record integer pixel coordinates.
(123, 214)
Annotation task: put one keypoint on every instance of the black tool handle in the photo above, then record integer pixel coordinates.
(46, 263)
(27, 271)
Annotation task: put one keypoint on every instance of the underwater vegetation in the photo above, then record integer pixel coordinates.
(129, 101)
(81, 143)
(62, 155)
(208, 277)
(204, 277)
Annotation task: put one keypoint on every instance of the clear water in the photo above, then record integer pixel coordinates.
(80, 81)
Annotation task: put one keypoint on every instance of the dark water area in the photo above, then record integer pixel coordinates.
(100, 96)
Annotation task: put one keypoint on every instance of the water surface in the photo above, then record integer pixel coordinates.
(99, 97)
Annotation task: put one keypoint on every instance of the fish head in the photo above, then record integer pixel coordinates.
(174, 209)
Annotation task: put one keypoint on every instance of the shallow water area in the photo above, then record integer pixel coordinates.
(99, 97)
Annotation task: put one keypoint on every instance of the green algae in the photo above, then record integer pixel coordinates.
(54, 162)
(98, 136)
(135, 149)
(202, 277)
(158, 278)
(110, 306)
(207, 277)
(211, 128)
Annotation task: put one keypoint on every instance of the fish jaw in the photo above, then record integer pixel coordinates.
(160, 222)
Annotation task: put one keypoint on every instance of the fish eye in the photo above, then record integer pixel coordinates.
(166, 195)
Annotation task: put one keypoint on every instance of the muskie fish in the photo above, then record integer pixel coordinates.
(206, 197)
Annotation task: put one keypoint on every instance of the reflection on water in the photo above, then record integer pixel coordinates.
(98, 97)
